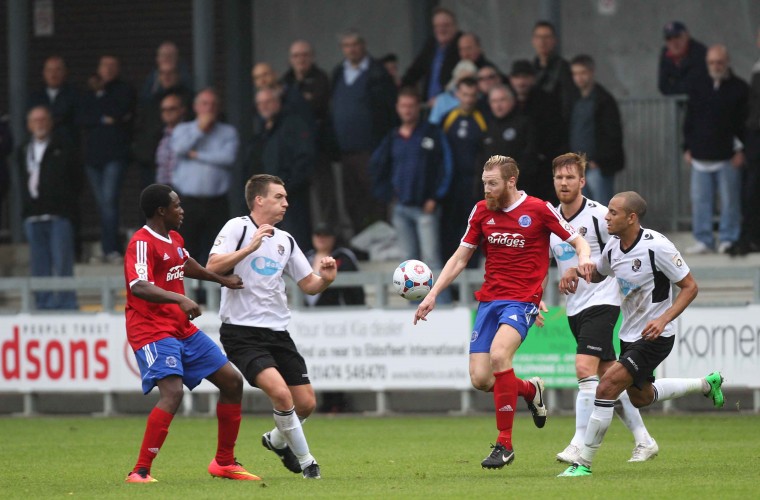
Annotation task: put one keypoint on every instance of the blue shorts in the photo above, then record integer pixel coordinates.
(518, 315)
(193, 359)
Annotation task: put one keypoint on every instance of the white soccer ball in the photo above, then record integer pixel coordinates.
(412, 279)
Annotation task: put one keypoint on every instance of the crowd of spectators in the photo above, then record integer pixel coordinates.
(402, 147)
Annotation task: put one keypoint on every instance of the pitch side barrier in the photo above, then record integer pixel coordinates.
(362, 349)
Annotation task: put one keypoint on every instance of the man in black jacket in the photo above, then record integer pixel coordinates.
(46, 168)
(596, 130)
(716, 115)
(362, 112)
(284, 146)
(437, 59)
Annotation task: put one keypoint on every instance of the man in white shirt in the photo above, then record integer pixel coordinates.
(592, 311)
(645, 264)
(255, 318)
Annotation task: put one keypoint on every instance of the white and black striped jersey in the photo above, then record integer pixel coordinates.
(644, 273)
(588, 222)
(263, 302)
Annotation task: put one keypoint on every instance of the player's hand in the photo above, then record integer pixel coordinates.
(586, 268)
(233, 281)
(654, 328)
(328, 269)
(429, 206)
(264, 231)
(190, 308)
(569, 281)
(427, 305)
(540, 318)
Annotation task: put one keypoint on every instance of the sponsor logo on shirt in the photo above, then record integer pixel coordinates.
(176, 273)
(265, 266)
(563, 251)
(627, 287)
(514, 240)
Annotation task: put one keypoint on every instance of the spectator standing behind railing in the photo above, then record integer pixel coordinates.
(284, 147)
(206, 150)
(362, 111)
(61, 98)
(437, 59)
(173, 113)
(682, 60)
(596, 130)
(552, 71)
(306, 85)
(106, 115)
(470, 50)
(167, 56)
(750, 233)
(46, 166)
(716, 114)
(412, 169)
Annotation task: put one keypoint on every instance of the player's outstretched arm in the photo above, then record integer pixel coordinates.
(450, 271)
(318, 283)
(686, 295)
(196, 271)
(583, 251)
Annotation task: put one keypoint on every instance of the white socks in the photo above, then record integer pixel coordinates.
(289, 432)
(671, 388)
(584, 405)
(598, 424)
(631, 417)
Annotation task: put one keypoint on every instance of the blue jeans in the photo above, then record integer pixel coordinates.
(599, 187)
(106, 182)
(727, 183)
(418, 234)
(51, 245)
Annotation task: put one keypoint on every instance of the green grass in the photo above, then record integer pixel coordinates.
(714, 455)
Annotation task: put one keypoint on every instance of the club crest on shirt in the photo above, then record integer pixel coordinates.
(280, 249)
(219, 241)
(582, 230)
(636, 265)
(509, 134)
(180, 253)
(525, 221)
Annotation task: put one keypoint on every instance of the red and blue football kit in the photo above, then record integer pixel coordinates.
(160, 261)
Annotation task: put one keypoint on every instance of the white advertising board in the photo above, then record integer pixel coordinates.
(718, 338)
(344, 350)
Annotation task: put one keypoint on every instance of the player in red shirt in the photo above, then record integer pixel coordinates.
(170, 350)
(513, 230)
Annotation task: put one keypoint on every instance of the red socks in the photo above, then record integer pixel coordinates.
(505, 399)
(228, 423)
(526, 389)
(156, 431)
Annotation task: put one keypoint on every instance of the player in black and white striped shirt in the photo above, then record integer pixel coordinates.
(645, 264)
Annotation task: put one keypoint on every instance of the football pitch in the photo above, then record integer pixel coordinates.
(711, 455)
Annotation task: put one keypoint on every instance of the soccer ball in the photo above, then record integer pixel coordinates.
(412, 279)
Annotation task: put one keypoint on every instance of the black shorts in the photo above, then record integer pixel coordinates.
(641, 358)
(252, 350)
(592, 329)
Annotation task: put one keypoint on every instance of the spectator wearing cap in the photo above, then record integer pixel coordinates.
(448, 100)
(436, 61)
(325, 242)
(681, 60)
(551, 131)
(716, 115)
(412, 169)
